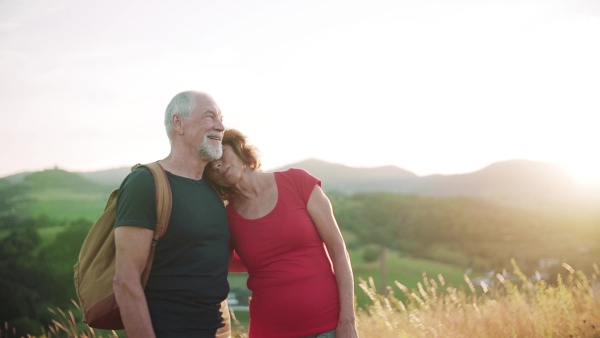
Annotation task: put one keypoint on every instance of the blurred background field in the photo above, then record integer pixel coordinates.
(393, 239)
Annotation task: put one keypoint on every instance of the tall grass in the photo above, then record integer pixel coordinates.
(65, 324)
(513, 306)
(508, 308)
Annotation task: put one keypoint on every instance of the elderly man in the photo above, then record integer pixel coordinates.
(188, 279)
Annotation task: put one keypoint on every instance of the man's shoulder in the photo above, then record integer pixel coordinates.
(139, 180)
(140, 173)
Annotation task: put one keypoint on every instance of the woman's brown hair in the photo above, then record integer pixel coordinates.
(248, 153)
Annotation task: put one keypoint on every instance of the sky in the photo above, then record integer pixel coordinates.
(433, 87)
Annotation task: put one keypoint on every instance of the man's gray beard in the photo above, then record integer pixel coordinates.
(208, 152)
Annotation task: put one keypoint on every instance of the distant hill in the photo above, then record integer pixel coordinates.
(110, 177)
(343, 176)
(519, 182)
(516, 177)
(16, 178)
(57, 194)
(52, 179)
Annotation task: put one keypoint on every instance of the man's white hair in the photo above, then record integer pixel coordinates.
(183, 104)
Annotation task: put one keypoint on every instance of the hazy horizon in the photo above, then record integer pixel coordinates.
(303, 160)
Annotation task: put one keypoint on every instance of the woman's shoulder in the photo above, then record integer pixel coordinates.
(299, 180)
(294, 172)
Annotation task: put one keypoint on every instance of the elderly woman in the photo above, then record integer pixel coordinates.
(284, 231)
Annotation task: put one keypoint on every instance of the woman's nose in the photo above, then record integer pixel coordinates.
(216, 165)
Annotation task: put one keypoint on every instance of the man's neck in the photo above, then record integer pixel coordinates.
(184, 165)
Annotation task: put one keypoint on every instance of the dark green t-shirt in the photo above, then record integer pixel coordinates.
(188, 279)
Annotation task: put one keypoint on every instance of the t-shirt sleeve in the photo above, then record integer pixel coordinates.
(136, 200)
(305, 183)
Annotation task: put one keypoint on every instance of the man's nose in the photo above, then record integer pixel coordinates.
(219, 125)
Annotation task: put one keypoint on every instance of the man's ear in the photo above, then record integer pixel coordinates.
(177, 123)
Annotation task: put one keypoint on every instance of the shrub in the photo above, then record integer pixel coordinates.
(371, 253)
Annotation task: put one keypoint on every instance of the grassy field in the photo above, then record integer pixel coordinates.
(505, 309)
(66, 205)
(405, 270)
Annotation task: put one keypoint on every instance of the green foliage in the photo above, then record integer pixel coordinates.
(469, 232)
(37, 275)
(61, 255)
(35, 272)
(26, 286)
(10, 195)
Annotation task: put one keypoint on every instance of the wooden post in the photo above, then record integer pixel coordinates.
(382, 270)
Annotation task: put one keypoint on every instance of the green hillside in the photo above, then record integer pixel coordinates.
(62, 180)
(59, 194)
(468, 231)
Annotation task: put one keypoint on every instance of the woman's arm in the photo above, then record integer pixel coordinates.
(321, 212)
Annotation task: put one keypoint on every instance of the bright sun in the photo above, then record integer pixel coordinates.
(586, 174)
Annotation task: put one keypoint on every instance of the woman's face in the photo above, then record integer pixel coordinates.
(227, 170)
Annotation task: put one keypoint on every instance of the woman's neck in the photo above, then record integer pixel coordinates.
(252, 184)
(256, 196)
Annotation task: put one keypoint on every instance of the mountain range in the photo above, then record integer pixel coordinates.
(517, 182)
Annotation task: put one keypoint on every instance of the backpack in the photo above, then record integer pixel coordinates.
(95, 267)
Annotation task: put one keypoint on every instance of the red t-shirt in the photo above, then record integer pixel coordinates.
(294, 291)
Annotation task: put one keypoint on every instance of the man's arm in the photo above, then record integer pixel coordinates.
(133, 247)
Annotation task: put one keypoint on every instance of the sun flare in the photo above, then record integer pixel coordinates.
(586, 174)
